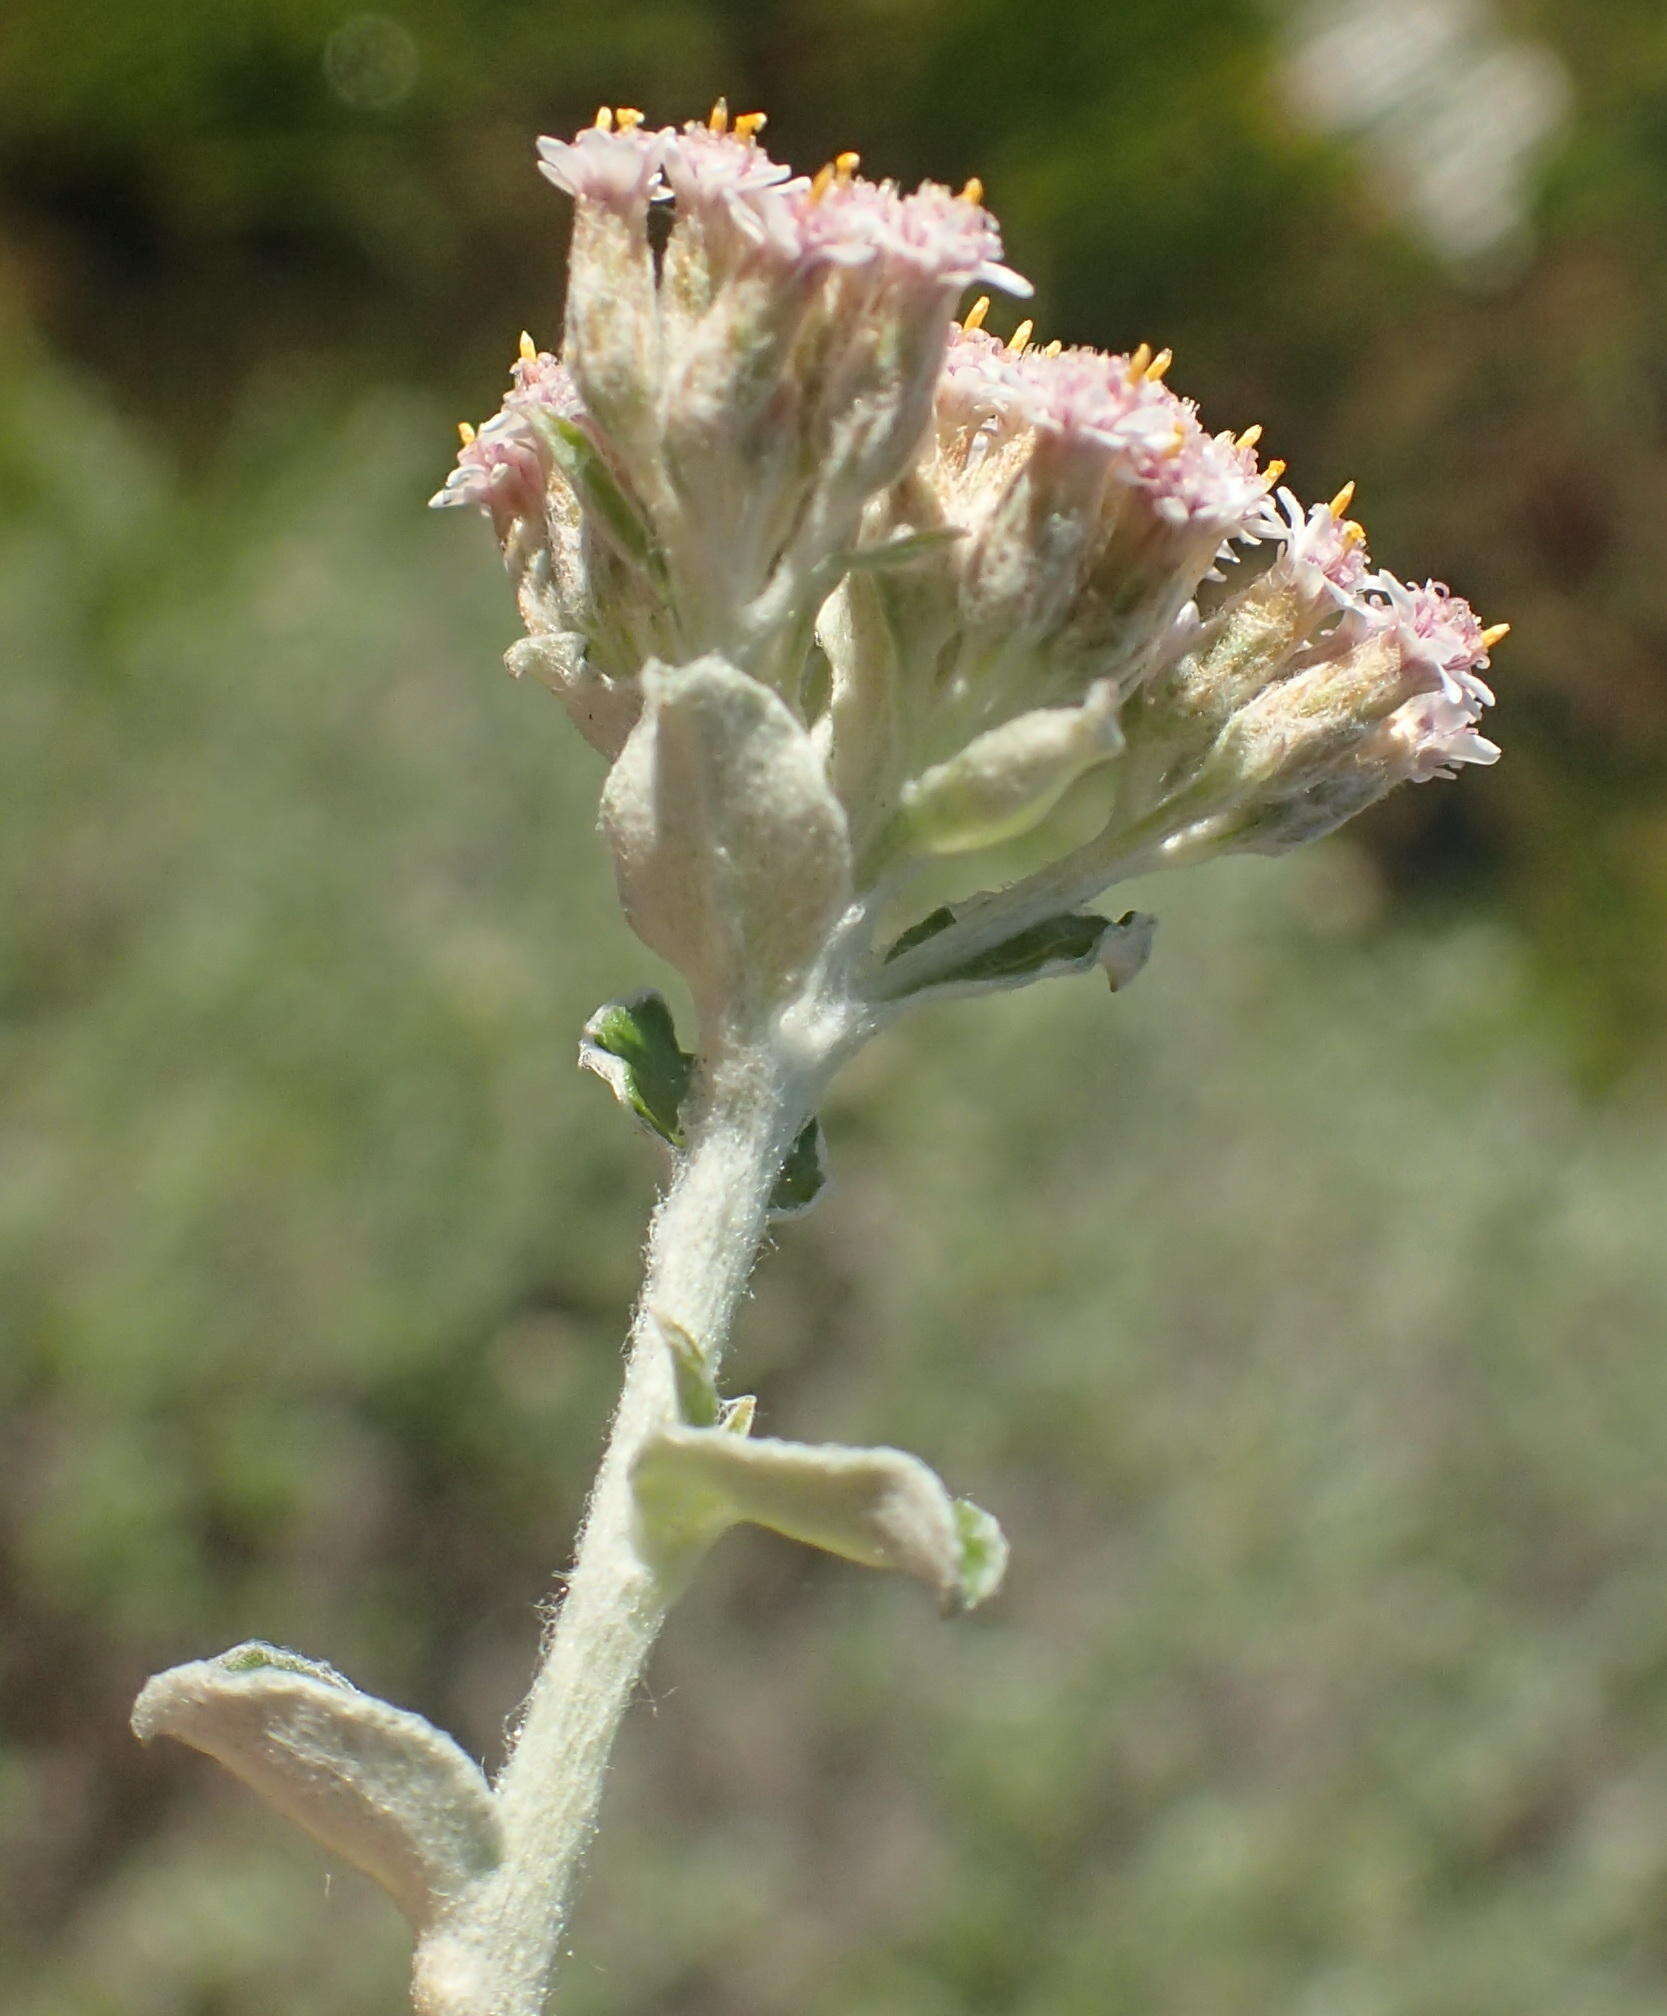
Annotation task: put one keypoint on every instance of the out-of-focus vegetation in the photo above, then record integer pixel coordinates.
(1302, 1311)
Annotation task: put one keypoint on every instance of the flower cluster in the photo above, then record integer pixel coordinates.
(967, 574)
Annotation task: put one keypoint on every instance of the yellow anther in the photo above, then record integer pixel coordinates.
(465, 433)
(1344, 498)
(846, 165)
(1272, 473)
(748, 125)
(1493, 633)
(974, 317)
(1251, 435)
(1153, 374)
(1139, 361)
(1053, 349)
(1177, 442)
(627, 117)
(528, 348)
(604, 121)
(821, 182)
(717, 120)
(972, 190)
(1020, 337)
(1354, 533)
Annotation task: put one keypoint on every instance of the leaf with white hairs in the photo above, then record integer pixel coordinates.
(879, 1507)
(376, 1784)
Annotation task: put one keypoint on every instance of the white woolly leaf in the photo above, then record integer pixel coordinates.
(731, 851)
(879, 1507)
(378, 1785)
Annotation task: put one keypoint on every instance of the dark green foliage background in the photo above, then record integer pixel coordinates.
(1301, 1311)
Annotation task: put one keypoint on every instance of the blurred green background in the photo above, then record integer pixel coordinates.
(1302, 1312)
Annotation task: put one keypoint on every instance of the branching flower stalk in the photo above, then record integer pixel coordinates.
(842, 590)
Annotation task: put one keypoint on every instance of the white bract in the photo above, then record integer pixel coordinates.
(841, 589)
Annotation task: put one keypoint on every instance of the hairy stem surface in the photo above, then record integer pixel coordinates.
(498, 1955)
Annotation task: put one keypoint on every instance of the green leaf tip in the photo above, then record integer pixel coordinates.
(983, 1553)
(632, 1046)
(697, 1393)
(256, 1656)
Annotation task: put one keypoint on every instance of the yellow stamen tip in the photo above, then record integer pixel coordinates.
(974, 318)
(846, 165)
(1251, 435)
(972, 190)
(1053, 349)
(1272, 473)
(821, 182)
(749, 123)
(1344, 498)
(465, 433)
(1021, 337)
(1354, 533)
(528, 348)
(1493, 634)
(717, 120)
(604, 121)
(1139, 361)
(627, 117)
(1158, 366)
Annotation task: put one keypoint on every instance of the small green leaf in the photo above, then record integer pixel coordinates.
(1074, 942)
(597, 488)
(802, 1174)
(632, 1047)
(697, 1395)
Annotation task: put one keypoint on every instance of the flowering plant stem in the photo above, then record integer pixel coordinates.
(703, 1241)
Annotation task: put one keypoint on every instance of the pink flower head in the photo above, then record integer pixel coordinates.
(946, 241)
(705, 167)
(980, 386)
(1325, 551)
(1439, 632)
(930, 240)
(539, 379)
(1432, 735)
(1082, 396)
(499, 471)
(1207, 482)
(617, 167)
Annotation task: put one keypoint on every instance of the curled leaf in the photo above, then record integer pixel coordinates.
(376, 1784)
(880, 1507)
(1010, 778)
(632, 1047)
(1076, 941)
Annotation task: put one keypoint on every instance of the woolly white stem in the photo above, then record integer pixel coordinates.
(497, 1955)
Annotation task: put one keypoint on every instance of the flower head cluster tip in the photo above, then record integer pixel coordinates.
(969, 575)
